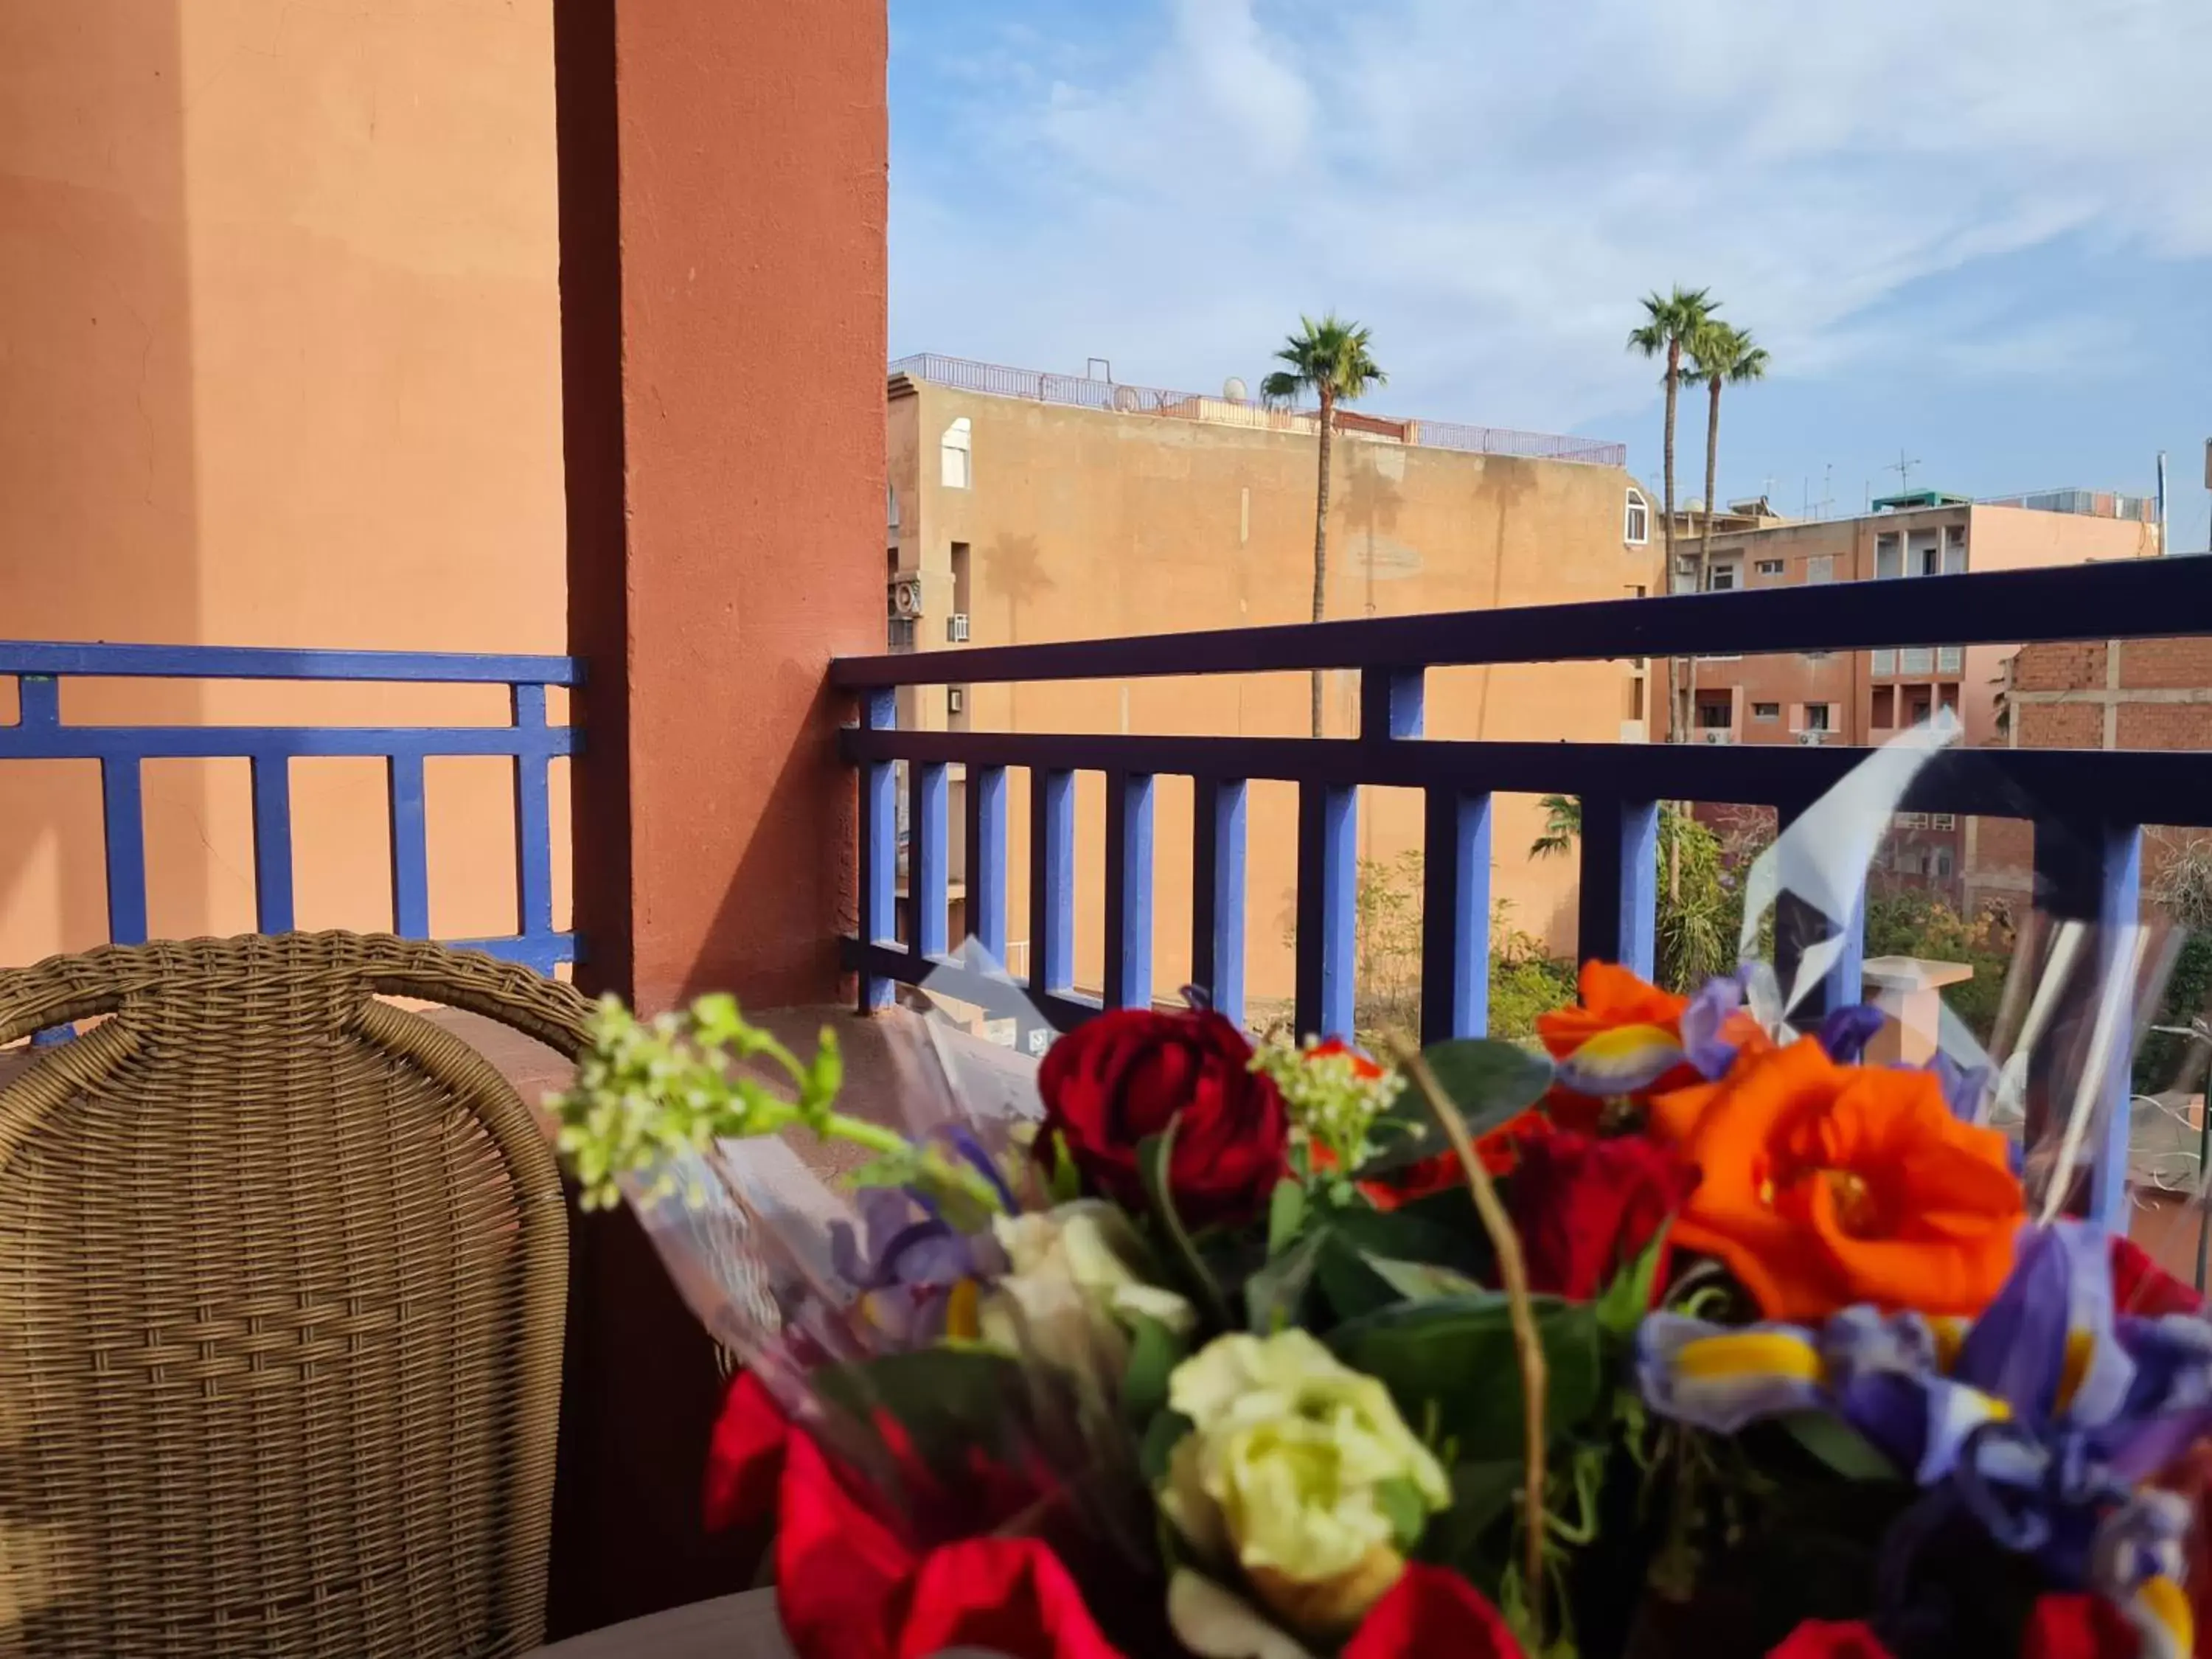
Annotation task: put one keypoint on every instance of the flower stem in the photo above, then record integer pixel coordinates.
(1528, 1344)
(875, 1137)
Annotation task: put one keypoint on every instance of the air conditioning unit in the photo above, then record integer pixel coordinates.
(906, 596)
(1813, 739)
(956, 700)
(956, 628)
(1716, 734)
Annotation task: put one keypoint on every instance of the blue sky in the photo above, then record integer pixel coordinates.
(1978, 231)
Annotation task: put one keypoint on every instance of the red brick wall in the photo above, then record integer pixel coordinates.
(2060, 667)
(2061, 725)
(2164, 664)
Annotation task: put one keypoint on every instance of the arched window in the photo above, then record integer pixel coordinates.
(954, 455)
(1636, 526)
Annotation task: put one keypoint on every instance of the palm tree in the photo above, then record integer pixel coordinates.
(1671, 322)
(1719, 355)
(1562, 826)
(1330, 359)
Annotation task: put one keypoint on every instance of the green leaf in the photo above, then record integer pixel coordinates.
(1067, 1183)
(1273, 1293)
(1840, 1446)
(1455, 1357)
(1350, 1286)
(1400, 1502)
(946, 1397)
(1162, 1434)
(1620, 1307)
(1409, 1234)
(1154, 1351)
(1481, 1494)
(1154, 1158)
(1420, 1281)
(1489, 1081)
(1287, 1212)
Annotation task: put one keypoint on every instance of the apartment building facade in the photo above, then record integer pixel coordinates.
(1028, 507)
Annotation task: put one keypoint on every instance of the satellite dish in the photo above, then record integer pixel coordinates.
(1236, 391)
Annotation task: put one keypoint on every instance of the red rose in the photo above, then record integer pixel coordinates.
(1125, 1076)
(850, 1585)
(1495, 1149)
(2077, 1627)
(2140, 1286)
(1432, 1610)
(1586, 1208)
(1821, 1638)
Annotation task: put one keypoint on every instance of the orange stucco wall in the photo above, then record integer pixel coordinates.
(279, 365)
(1080, 524)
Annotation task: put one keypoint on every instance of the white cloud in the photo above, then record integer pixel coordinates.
(1490, 183)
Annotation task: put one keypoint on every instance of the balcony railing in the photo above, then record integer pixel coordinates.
(2087, 806)
(121, 751)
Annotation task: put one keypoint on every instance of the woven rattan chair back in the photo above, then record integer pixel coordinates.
(282, 1271)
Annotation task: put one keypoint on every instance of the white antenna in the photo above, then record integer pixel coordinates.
(1903, 467)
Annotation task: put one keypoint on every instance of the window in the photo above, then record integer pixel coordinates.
(1911, 861)
(1820, 568)
(954, 457)
(1954, 551)
(1944, 821)
(1916, 659)
(1882, 716)
(1885, 662)
(1770, 567)
(1767, 711)
(1721, 579)
(1923, 554)
(1910, 820)
(1919, 707)
(1950, 659)
(1940, 863)
(1715, 713)
(1888, 557)
(1816, 718)
(1636, 523)
(962, 600)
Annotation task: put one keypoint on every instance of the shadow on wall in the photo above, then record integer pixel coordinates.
(98, 506)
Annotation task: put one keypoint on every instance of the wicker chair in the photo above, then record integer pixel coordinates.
(282, 1271)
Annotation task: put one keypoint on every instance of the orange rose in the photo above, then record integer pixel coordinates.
(1826, 1185)
(1625, 1040)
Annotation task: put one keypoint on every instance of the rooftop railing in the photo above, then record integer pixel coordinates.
(121, 752)
(2088, 807)
(1082, 391)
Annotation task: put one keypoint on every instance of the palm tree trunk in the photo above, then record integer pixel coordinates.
(1705, 530)
(1321, 541)
(1679, 721)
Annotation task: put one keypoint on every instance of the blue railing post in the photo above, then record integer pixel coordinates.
(533, 815)
(1217, 915)
(1128, 890)
(2090, 870)
(879, 847)
(272, 844)
(1455, 917)
(122, 810)
(1620, 888)
(985, 832)
(1052, 880)
(1328, 828)
(927, 861)
(410, 847)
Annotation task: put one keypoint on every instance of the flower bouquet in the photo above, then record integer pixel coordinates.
(1689, 1333)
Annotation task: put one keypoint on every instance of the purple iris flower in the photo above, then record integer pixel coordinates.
(905, 1263)
(1963, 1086)
(1704, 1018)
(1846, 1031)
(2051, 1412)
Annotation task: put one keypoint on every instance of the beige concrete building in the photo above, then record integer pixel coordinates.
(1019, 515)
(1866, 698)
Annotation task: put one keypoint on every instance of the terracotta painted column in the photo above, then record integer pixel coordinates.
(723, 184)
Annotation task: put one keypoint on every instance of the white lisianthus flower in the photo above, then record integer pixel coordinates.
(1073, 1287)
(1301, 1471)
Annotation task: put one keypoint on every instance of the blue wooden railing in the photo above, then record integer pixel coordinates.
(40, 734)
(2088, 807)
